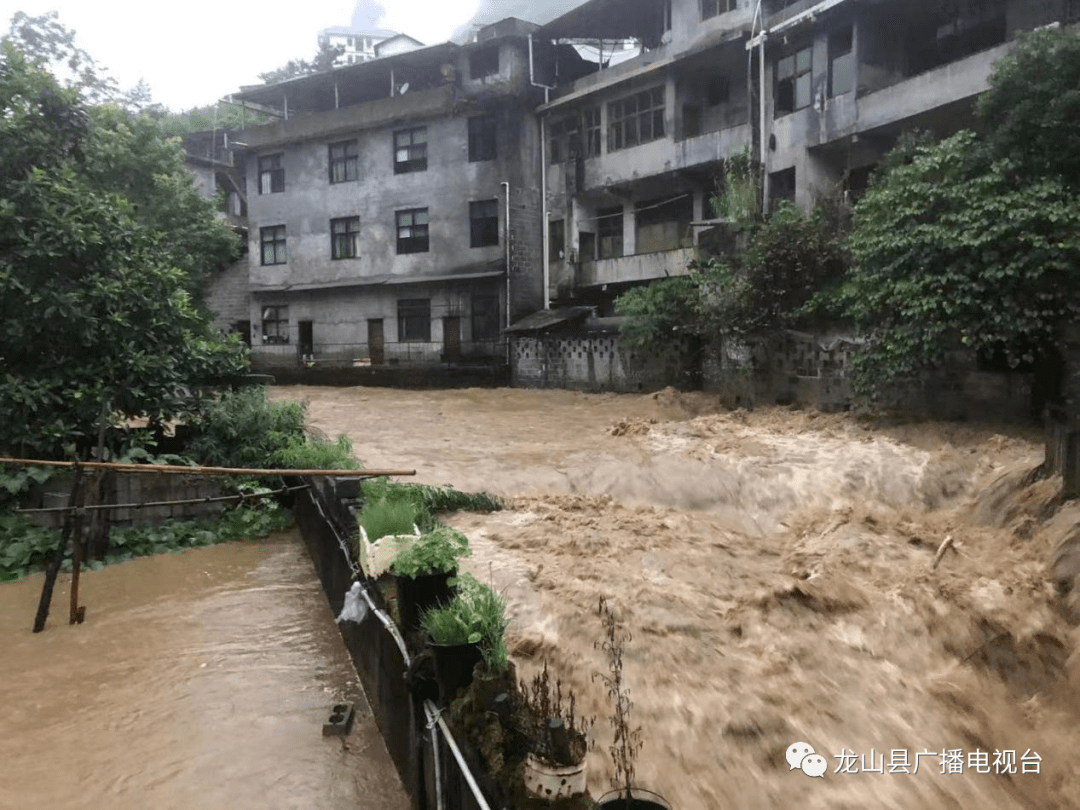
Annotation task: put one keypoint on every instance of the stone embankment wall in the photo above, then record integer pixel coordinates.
(791, 368)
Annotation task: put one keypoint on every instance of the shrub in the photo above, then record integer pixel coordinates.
(477, 615)
(436, 552)
(388, 517)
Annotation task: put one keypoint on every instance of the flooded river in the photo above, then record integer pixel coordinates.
(199, 680)
(777, 571)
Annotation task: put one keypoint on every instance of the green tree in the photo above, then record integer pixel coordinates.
(46, 41)
(952, 248)
(322, 62)
(1032, 109)
(95, 316)
(127, 154)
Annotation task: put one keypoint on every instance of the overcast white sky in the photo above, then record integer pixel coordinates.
(194, 52)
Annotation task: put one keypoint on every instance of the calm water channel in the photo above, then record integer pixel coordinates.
(199, 680)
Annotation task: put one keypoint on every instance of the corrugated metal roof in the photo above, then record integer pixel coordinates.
(549, 318)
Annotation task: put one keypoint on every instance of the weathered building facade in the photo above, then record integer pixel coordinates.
(394, 208)
(818, 91)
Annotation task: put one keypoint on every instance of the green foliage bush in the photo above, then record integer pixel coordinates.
(435, 552)
(429, 500)
(476, 615)
(952, 249)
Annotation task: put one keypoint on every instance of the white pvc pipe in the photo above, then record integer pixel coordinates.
(475, 788)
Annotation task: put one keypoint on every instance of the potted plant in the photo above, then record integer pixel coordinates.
(627, 740)
(384, 524)
(555, 764)
(462, 632)
(423, 568)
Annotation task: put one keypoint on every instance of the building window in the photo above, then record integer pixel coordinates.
(781, 187)
(275, 324)
(484, 62)
(1072, 11)
(841, 62)
(485, 317)
(343, 237)
(481, 138)
(710, 8)
(414, 320)
(271, 174)
(412, 230)
(636, 119)
(562, 132)
(590, 122)
(793, 82)
(484, 223)
(410, 150)
(273, 244)
(556, 240)
(343, 162)
(609, 228)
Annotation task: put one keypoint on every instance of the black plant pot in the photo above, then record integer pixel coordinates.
(416, 595)
(454, 665)
(638, 799)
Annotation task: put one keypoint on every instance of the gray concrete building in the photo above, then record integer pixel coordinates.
(394, 207)
(819, 92)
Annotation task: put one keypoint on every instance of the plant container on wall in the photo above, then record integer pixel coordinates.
(454, 665)
(551, 782)
(633, 799)
(417, 594)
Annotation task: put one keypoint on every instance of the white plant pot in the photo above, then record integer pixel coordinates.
(375, 558)
(551, 782)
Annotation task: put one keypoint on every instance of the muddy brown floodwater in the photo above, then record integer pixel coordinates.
(776, 570)
(199, 680)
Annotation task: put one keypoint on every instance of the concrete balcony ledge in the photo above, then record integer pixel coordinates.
(639, 267)
(956, 81)
(369, 115)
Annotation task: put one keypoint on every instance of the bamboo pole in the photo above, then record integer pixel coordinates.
(198, 470)
(58, 558)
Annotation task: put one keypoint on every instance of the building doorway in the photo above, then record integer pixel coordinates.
(375, 341)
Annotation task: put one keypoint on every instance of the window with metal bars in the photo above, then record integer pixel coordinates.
(414, 320)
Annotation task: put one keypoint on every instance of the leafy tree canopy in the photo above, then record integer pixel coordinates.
(953, 248)
(96, 314)
(45, 41)
(1032, 109)
(320, 63)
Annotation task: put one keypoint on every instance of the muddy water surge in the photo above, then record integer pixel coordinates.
(777, 571)
(199, 680)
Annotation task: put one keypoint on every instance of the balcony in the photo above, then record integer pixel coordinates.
(639, 267)
(956, 81)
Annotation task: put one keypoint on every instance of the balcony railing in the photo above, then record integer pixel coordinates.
(639, 267)
(403, 354)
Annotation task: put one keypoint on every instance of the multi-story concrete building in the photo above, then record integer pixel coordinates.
(394, 210)
(358, 46)
(819, 91)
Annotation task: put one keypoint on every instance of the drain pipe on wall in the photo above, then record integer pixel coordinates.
(506, 238)
(544, 258)
(759, 41)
